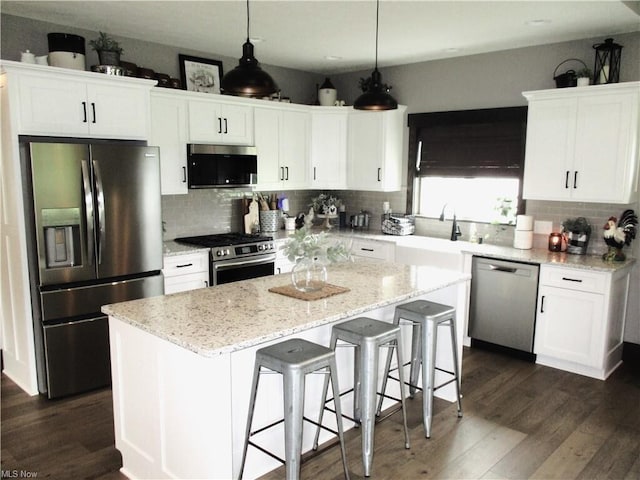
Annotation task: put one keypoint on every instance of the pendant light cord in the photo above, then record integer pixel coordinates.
(248, 36)
(377, 20)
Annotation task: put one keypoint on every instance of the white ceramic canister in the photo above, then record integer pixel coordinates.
(327, 94)
(27, 57)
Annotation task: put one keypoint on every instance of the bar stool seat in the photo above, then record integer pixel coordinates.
(366, 335)
(294, 359)
(426, 317)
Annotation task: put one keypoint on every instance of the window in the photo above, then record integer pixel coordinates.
(483, 199)
(471, 160)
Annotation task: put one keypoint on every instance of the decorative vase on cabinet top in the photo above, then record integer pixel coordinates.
(327, 93)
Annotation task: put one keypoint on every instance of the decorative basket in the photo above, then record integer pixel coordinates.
(398, 224)
(568, 78)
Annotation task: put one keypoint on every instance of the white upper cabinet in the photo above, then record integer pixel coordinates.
(211, 121)
(582, 144)
(169, 132)
(329, 148)
(282, 143)
(375, 150)
(62, 102)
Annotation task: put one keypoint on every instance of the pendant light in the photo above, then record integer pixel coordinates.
(248, 79)
(376, 98)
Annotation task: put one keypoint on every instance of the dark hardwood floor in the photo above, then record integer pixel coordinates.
(520, 421)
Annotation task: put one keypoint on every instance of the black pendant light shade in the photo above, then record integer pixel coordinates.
(248, 79)
(376, 97)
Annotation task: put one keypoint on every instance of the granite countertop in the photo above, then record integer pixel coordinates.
(234, 316)
(536, 255)
(545, 257)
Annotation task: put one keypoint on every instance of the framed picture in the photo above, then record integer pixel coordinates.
(200, 74)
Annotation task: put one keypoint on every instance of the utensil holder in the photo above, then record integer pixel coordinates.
(269, 220)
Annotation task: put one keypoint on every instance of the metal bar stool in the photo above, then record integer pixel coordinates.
(294, 359)
(426, 317)
(367, 335)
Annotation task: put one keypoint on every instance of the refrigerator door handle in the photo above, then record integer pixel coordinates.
(88, 203)
(100, 206)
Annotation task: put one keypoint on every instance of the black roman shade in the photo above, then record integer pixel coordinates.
(469, 143)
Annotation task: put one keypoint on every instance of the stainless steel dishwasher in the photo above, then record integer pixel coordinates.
(503, 303)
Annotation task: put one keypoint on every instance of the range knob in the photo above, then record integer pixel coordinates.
(219, 253)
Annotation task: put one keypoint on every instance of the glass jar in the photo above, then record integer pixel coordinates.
(309, 274)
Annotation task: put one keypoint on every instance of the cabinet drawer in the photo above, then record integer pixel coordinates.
(373, 249)
(188, 263)
(573, 279)
(182, 283)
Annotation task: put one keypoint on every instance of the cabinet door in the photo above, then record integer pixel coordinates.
(329, 150)
(268, 127)
(211, 121)
(569, 325)
(376, 142)
(294, 149)
(604, 156)
(237, 124)
(548, 169)
(169, 132)
(49, 106)
(364, 163)
(118, 111)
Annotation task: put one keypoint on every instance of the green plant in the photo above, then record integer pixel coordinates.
(578, 225)
(583, 72)
(365, 83)
(304, 244)
(106, 43)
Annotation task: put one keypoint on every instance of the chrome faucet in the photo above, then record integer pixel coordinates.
(455, 229)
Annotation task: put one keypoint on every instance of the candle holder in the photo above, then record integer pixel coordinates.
(555, 242)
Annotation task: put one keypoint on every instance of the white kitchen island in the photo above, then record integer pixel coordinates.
(182, 363)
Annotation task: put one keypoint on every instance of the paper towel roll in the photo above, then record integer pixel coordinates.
(524, 222)
(523, 239)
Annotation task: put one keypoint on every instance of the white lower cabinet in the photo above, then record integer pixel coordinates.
(186, 271)
(580, 319)
(373, 249)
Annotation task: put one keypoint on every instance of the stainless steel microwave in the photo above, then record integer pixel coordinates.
(216, 166)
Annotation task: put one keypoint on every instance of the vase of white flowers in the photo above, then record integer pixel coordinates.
(312, 252)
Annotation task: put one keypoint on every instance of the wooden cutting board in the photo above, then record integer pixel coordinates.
(251, 218)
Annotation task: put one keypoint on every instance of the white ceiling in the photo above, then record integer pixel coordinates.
(301, 34)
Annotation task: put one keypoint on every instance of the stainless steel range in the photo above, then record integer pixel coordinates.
(236, 256)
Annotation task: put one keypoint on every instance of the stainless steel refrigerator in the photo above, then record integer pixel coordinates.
(96, 238)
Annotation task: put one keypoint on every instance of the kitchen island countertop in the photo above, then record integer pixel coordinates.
(230, 317)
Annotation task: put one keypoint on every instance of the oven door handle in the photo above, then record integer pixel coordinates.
(242, 263)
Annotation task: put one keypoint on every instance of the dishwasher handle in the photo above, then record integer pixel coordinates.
(499, 268)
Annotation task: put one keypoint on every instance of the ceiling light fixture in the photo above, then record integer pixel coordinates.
(376, 97)
(248, 79)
